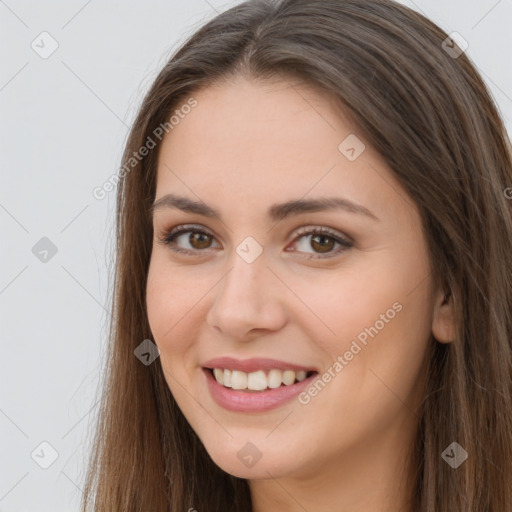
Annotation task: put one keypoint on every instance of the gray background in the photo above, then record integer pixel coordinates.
(64, 120)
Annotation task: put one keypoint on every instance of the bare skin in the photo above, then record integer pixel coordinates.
(246, 146)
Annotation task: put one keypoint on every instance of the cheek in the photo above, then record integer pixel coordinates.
(343, 303)
(168, 302)
(375, 364)
(376, 317)
(176, 299)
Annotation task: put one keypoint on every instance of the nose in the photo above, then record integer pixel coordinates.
(248, 301)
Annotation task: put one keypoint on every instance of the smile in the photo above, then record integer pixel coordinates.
(258, 380)
(247, 400)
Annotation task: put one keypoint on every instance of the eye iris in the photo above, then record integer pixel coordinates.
(201, 238)
(322, 245)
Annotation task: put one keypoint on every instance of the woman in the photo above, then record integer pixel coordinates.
(313, 290)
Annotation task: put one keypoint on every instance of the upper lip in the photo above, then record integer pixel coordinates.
(253, 364)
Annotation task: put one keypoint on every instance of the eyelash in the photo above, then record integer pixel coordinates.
(169, 237)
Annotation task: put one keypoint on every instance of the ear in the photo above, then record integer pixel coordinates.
(443, 321)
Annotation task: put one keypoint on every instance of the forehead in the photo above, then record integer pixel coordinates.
(262, 142)
(246, 121)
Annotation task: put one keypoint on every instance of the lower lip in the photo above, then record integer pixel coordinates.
(250, 401)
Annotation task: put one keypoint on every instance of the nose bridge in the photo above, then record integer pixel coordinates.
(244, 299)
(244, 284)
(248, 268)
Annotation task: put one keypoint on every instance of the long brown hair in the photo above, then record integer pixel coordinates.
(430, 116)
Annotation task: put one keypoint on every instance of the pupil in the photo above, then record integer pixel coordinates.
(323, 247)
(196, 237)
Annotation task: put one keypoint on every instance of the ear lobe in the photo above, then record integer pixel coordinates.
(443, 322)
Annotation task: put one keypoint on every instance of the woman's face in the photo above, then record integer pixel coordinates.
(354, 303)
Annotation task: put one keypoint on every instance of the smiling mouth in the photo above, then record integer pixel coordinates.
(258, 381)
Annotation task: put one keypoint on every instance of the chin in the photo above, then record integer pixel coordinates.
(253, 460)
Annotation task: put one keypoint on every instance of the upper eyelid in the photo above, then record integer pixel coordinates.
(298, 233)
(302, 230)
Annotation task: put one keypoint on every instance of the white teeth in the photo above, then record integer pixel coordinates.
(300, 375)
(275, 377)
(288, 377)
(227, 378)
(219, 375)
(238, 380)
(258, 380)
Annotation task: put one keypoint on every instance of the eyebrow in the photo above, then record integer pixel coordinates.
(275, 213)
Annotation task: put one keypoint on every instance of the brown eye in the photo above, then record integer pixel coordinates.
(322, 240)
(322, 243)
(202, 240)
(197, 240)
